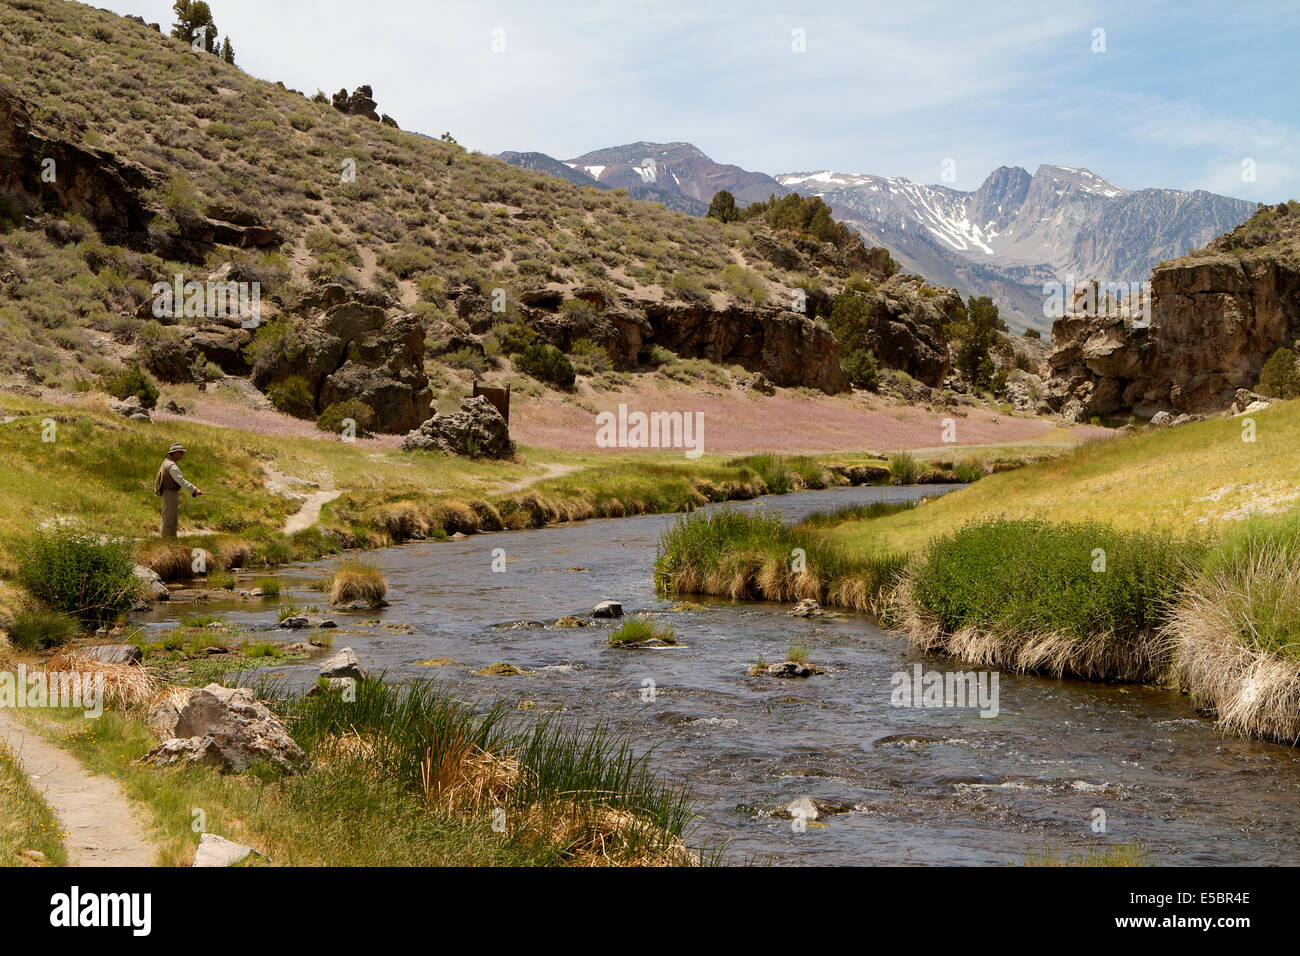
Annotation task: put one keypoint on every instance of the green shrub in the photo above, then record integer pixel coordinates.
(331, 420)
(77, 573)
(904, 469)
(546, 363)
(132, 380)
(38, 630)
(1280, 376)
(293, 396)
(1026, 577)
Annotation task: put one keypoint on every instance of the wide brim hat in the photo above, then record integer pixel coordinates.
(175, 448)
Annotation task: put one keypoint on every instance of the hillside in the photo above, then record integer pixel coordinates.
(1207, 478)
(173, 163)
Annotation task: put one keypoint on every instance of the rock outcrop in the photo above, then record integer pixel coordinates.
(353, 350)
(476, 431)
(1216, 317)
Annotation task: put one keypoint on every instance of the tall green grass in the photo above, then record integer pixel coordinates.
(1032, 575)
(411, 727)
(758, 556)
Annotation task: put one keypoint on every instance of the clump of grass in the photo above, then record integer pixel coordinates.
(641, 628)
(221, 580)
(1083, 599)
(262, 649)
(797, 653)
(35, 629)
(1132, 853)
(357, 580)
(1234, 635)
(577, 796)
(270, 587)
(199, 620)
(904, 469)
(757, 556)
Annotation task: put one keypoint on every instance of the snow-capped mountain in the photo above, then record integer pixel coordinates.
(1017, 231)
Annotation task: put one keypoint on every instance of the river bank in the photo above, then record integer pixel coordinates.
(1200, 604)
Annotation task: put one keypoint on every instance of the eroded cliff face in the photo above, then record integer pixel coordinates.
(1216, 317)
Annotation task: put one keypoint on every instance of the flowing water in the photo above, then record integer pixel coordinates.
(925, 785)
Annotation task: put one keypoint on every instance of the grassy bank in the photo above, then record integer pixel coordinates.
(1197, 477)
(404, 776)
(1163, 583)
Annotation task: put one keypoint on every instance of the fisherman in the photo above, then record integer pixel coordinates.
(168, 484)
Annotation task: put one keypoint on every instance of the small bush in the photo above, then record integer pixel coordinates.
(361, 414)
(546, 363)
(77, 573)
(904, 469)
(270, 587)
(38, 630)
(358, 581)
(132, 380)
(293, 396)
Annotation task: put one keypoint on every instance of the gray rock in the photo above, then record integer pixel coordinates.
(151, 585)
(218, 851)
(790, 669)
(113, 653)
(607, 609)
(162, 718)
(321, 622)
(295, 623)
(227, 728)
(1161, 419)
(343, 664)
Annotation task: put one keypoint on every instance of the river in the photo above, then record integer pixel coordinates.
(926, 785)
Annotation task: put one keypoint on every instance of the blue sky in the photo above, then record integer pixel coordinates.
(1182, 95)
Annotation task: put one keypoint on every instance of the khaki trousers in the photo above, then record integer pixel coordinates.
(170, 507)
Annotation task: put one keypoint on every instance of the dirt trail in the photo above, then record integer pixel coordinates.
(102, 826)
(552, 471)
(312, 501)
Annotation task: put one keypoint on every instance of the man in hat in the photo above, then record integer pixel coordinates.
(168, 484)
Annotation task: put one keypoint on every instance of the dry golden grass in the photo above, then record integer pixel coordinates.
(462, 778)
(127, 687)
(602, 836)
(1229, 635)
(358, 581)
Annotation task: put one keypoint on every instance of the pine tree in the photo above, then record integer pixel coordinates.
(194, 18)
(227, 51)
(723, 207)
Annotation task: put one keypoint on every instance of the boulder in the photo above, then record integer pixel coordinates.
(477, 430)
(790, 669)
(1161, 419)
(343, 664)
(354, 350)
(151, 585)
(214, 850)
(162, 718)
(130, 407)
(229, 729)
(112, 653)
(607, 609)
